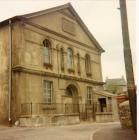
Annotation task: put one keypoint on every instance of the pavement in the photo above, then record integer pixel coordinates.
(114, 132)
(83, 131)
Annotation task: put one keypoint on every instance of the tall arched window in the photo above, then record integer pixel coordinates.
(62, 58)
(78, 63)
(88, 65)
(47, 51)
(70, 58)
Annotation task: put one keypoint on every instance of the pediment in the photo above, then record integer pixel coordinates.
(68, 13)
(63, 19)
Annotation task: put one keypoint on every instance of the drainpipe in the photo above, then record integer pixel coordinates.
(10, 72)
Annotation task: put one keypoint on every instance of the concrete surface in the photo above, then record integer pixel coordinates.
(71, 132)
(114, 132)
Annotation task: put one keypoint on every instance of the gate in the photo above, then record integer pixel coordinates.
(87, 112)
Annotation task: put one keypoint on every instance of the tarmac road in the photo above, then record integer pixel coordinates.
(114, 132)
(82, 131)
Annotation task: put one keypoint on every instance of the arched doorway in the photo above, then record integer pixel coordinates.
(71, 99)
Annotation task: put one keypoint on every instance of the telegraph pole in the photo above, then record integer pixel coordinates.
(128, 64)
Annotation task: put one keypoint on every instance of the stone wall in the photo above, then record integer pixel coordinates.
(29, 71)
(125, 115)
(33, 48)
(48, 120)
(28, 66)
(104, 117)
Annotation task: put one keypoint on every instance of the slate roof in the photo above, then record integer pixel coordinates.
(116, 81)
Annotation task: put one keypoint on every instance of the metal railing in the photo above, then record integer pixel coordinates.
(29, 109)
(103, 108)
(46, 108)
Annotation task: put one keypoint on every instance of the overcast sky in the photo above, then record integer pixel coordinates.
(101, 17)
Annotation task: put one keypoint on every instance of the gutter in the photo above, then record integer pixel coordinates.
(10, 72)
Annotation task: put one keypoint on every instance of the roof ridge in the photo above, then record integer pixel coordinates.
(47, 10)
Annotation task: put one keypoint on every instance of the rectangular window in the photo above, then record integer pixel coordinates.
(89, 95)
(47, 91)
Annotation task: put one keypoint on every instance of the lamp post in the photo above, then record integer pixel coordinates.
(128, 63)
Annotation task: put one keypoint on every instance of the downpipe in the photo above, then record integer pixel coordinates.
(10, 73)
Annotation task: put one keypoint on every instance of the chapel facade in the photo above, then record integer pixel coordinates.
(51, 66)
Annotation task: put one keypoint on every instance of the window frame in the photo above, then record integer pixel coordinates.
(78, 63)
(47, 92)
(69, 92)
(62, 58)
(70, 60)
(88, 65)
(89, 95)
(47, 59)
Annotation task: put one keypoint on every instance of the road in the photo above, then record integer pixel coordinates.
(70, 132)
(114, 132)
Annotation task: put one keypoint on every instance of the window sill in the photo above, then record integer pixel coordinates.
(71, 71)
(47, 65)
(88, 74)
(48, 107)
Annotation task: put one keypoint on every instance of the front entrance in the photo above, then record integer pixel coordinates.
(71, 100)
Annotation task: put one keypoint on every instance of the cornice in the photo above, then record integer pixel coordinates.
(24, 69)
(65, 14)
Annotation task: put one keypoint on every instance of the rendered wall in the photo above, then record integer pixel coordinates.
(4, 44)
(28, 70)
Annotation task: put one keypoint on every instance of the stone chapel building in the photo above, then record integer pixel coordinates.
(50, 70)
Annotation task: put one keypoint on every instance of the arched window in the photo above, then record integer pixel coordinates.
(62, 58)
(88, 65)
(69, 91)
(78, 63)
(47, 51)
(70, 58)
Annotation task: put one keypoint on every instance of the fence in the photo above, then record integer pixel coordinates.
(45, 108)
(29, 109)
(103, 108)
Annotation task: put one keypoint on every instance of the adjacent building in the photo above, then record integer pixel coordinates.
(115, 85)
(50, 68)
